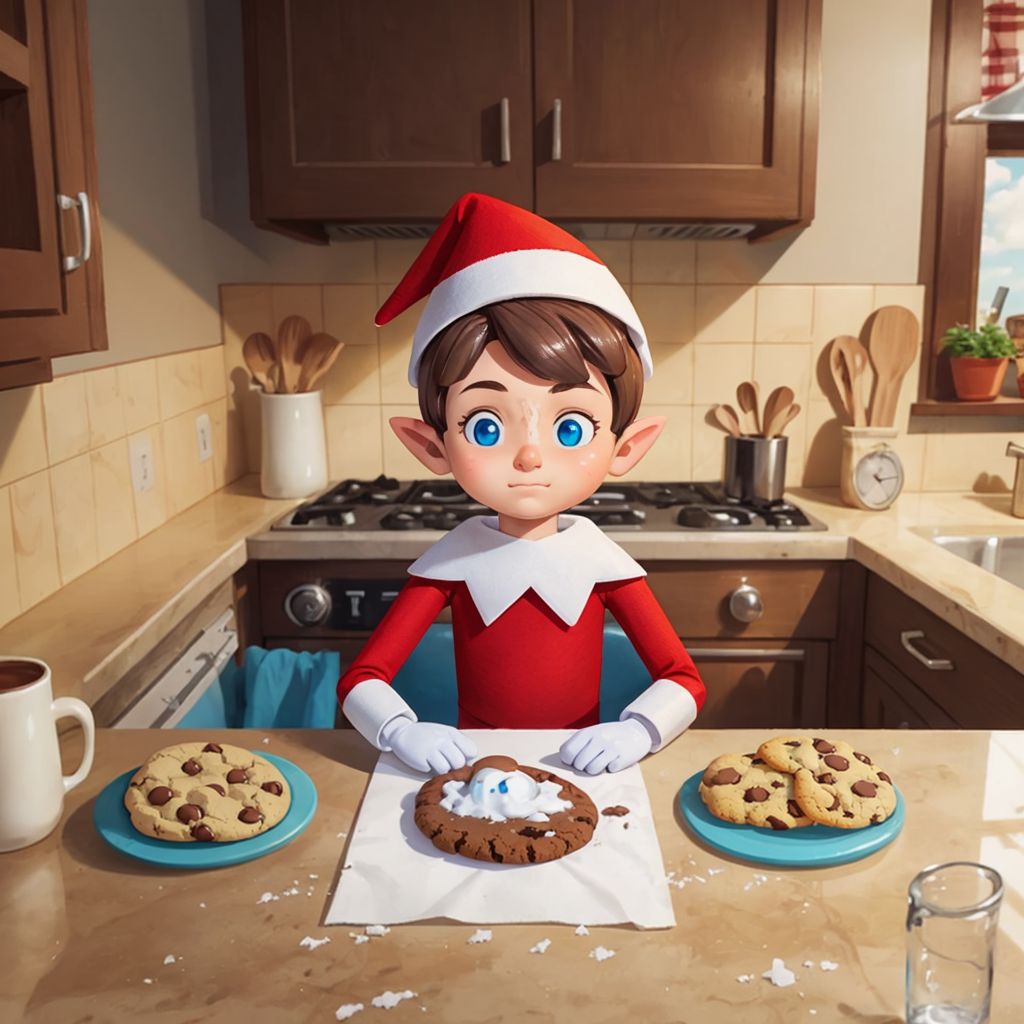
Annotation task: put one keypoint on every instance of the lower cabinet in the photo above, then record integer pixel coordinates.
(890, 700)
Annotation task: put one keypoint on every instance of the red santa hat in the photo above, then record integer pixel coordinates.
(486, 251)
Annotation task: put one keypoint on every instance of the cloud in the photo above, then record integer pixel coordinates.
(997, 174)
(1004, 219)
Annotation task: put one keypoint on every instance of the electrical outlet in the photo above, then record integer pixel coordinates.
(204, 436)
(140, 458)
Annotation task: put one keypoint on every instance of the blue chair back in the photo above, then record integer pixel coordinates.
(427, 679)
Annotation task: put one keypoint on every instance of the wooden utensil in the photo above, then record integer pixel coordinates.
(727, 419)
(774, 408)
(784, 419)
(258, 353)
(292, 336)
(747, 398)
(892, 345)
(321, 352)
(848, 361)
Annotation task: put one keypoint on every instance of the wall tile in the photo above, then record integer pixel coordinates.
(178, 383)
(22, 436)
(909, 295)
(777, 365)
(66, 416)
(394, 258)
(189, 480)
(671, 456)
(911, 450)
(708, 444)
(967, 461)
(106, 410)
(151, 506)
(784, 313)
(617, 257)
(736, 262)
(840, 309)
(354, 443)
(112, 494)
(718, 370)
(668, 262)
(74, 517)
(35, 543)
(228, 444)
(212, 377)
(672, 383)
(398, 461)
(139, 394)
(395, 349)
(349, 310)
(10, 599)
(666, 311)
(354, 379)
(823, 445)
(725, 313)
(304, 300)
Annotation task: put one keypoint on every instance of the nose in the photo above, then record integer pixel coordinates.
(527, 458)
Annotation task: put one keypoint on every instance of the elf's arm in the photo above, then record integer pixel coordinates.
(664, 710)
(371, 704)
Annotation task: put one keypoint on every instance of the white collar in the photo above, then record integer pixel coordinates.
(498, 569)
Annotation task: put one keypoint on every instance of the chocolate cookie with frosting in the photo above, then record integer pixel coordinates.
(743, 789)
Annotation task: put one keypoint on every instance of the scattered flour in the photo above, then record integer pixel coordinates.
(780, 975)
(147, 981)
(360, 939)
(743, 979)
(341, 835)
(389, 1000)
(756, 881)
(376, 929)
(828, 965)
(600, 953)
(310, 943)
(808, 963)
(169, 959)
(347, 1010)
(314, 876)
(267, 897)
(714, 871)
(541, 947)
(583, 930)
(480, 935)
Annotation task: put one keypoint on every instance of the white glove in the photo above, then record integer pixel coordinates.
(428, 746)
(609, 746)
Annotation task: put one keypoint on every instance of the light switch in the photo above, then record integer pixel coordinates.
(140, 458)
(204, 437)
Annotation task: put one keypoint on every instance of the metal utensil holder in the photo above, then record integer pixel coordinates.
(755, 468)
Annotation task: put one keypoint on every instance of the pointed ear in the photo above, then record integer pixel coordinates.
(422, 440)
(635, 443)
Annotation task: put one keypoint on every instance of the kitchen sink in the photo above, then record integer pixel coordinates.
(1003, 556)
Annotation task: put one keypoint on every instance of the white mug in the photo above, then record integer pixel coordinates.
(32, 787)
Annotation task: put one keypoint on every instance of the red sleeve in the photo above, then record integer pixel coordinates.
(642, 619)
(417, 605)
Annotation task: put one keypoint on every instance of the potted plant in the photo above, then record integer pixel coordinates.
(978, 360)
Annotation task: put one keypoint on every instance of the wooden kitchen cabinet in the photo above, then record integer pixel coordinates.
(51, 287)
(891, 701)
(627, 110)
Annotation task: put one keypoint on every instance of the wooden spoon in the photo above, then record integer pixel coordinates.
(784, 419)
(748, 399)
(258, 353)
(321, 352)
(892, 344)
(848, 361)
(774, 409)
(292, 336)
(727, 419)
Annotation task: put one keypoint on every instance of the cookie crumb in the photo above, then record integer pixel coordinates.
(147, 981)
(808, 963)
(616, 811)
(314, 876)
(347, 1010)
(541, 947)
(582, 930)
(202, 906)
(599, 953)
(779, 975)
(169, 959)
(310, 943)
(480, 935)
(376, 929)
(389, 1000)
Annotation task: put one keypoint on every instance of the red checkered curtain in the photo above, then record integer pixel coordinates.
(1003, 42)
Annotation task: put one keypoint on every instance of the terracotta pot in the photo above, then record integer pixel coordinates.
(977, 380)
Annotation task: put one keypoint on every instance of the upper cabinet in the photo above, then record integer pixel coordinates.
(625, 110)
(51, 287)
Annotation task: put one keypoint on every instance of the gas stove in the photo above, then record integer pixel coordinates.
(390, 504)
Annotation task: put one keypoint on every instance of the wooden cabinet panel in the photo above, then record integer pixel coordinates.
(978, 692)
(799, 599)
(675, 110)
(891, 701)
(386, 111)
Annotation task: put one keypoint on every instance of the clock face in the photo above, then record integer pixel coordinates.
(878, 478)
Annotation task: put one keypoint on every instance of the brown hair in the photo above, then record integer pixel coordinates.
(551, 338)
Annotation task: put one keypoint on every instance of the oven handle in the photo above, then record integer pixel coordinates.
(745, 654)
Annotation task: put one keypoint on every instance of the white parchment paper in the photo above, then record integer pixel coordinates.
(393, 873)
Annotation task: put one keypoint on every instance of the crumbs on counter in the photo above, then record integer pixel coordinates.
(617, 811)
(310, 943)
(582, 930)
(541, 947)
(389, 1000)
(480, 935)
(599, 953)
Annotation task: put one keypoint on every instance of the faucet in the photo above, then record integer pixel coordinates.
(1017, 501)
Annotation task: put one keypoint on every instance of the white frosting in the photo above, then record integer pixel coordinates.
(499, 795)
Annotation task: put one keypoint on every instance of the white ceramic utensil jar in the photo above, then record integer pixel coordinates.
(294, 453)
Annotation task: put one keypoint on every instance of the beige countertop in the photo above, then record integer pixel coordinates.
(89, 926)
(96, 628)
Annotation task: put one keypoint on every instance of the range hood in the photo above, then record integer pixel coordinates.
(1005, 108)
(701, 232)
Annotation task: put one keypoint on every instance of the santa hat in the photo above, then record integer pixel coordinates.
(486, 251)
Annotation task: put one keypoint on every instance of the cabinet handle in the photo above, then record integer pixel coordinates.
(506, 135)
(81, 201)
(556, 130)
(745, 654)
(907, 638)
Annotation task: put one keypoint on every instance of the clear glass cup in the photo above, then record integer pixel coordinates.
(952, 920)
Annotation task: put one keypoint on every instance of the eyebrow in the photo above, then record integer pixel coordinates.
(559, 388)
(484, 385)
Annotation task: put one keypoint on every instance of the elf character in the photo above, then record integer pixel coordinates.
(530, 362)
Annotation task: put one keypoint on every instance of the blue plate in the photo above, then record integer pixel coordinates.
(114, 824)
(816, 846)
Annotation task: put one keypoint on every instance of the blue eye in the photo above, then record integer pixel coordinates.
(503, 786)
(484, 429)
(573, 430)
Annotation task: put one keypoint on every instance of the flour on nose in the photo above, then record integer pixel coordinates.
(531, 414)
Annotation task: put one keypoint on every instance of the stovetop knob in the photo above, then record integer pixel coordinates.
(745, 603)
(308, 604)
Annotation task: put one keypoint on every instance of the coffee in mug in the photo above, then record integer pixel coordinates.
(32, 786)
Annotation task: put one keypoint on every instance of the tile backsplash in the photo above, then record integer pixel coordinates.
(66, 495)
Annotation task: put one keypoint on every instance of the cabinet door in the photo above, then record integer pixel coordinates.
(379, 111)
(675, 108)
(891, 701)
(768, 685)
(29, 257)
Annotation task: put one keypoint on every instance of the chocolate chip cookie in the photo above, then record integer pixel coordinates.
(206, 792)
(845, 788)
(743, 789)
(534, 839)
